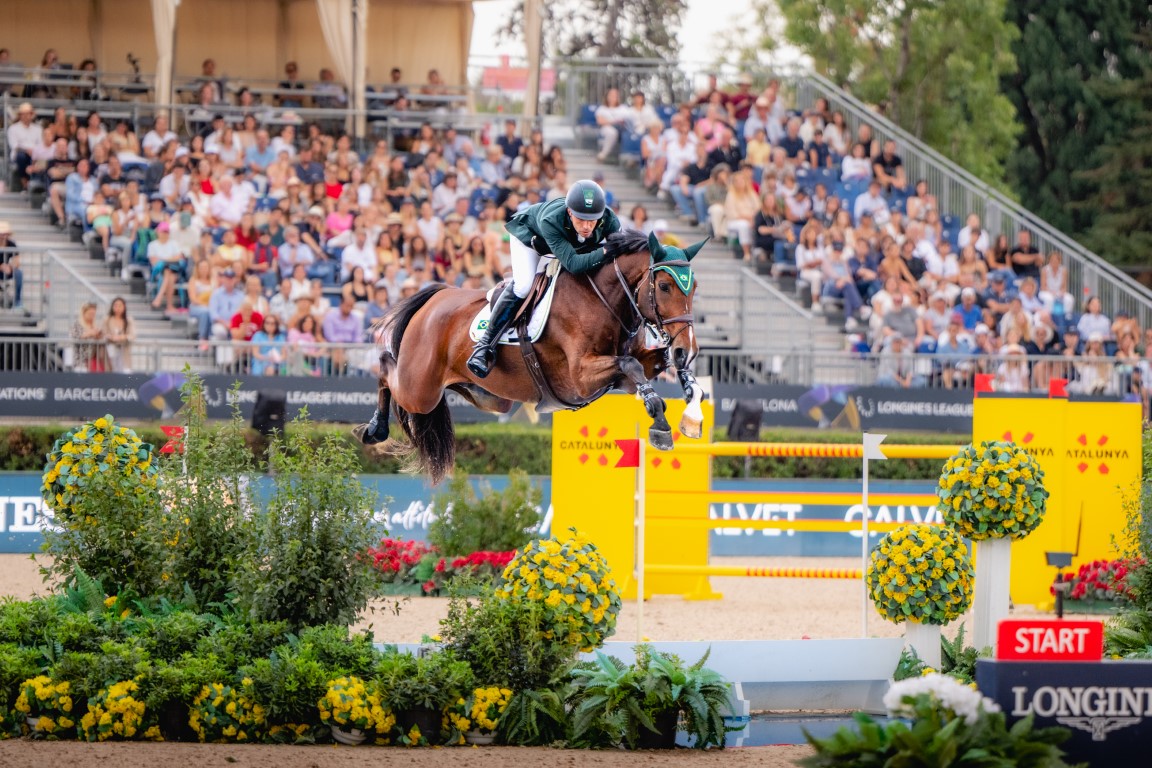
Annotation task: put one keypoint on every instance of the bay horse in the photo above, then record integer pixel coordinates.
(594, 341)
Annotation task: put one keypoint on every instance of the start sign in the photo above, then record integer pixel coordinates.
(1050, 640)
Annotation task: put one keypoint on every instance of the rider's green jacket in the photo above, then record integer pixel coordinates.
(551, 223)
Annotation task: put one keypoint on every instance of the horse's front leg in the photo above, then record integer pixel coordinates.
(660, 433)
(692, 422)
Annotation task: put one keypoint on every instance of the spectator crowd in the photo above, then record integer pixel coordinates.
(287, 238)
(934, 301)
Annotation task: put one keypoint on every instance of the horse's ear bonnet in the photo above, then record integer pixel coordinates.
(674, 261)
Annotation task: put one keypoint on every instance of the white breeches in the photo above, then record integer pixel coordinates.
(525, 261)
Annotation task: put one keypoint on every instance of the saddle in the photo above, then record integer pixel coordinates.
(527, 327)
(532, 316)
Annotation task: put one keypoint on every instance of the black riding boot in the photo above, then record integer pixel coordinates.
(484, 354)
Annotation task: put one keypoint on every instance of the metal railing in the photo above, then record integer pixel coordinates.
(1104, 376)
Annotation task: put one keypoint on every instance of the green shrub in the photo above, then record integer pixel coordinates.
(178, 681)
(341, 652)
(305, 562)
(16, 665)
(169, 636)
(475, 518)
(289, 683)
(100, 480)
(433, 681)
(208, 499)
(89, 671)
(238, 643)
(27, 622)
(503, 642)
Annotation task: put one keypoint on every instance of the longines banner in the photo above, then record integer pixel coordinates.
(1107, 705)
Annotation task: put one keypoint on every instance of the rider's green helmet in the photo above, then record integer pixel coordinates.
(586, 200)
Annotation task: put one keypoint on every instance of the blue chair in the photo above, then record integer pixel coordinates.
(587, 115)
(265, 204)
(665, 111)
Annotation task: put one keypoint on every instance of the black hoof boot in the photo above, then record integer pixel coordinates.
(375, 431)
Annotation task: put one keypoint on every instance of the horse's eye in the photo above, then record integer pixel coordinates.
(665, 288)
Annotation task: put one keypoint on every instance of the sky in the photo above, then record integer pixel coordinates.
(697, 34)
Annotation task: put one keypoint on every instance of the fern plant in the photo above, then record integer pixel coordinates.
(615, 703)
(534, 717)
(956, 660)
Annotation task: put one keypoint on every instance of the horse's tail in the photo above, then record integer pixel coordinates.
(433, 439)
(432, 435)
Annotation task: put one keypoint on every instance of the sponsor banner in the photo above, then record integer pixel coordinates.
(149, 396)
(782, 542)
(407, 507)
(1106, 705)
(851, 408)
(411, 508)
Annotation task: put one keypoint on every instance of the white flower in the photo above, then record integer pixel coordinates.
(947, 692)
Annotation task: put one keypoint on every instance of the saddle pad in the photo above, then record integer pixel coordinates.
(539, 318)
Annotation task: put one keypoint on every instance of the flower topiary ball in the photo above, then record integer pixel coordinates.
(920, 573)
(994, 490)
(571, 579)
(99, 446)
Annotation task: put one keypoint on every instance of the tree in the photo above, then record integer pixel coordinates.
(1067, 53)
(1122, 181)
(630, 29)
(931, 66)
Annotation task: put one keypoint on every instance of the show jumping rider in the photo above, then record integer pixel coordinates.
(571, 229)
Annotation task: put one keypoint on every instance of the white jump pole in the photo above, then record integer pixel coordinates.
(640, 515)
(871, 451)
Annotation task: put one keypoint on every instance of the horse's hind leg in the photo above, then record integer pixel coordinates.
(375, 431)
(660, 433)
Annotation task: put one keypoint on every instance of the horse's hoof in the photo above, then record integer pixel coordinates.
(691, 428)
(660, 439)
(367, 435)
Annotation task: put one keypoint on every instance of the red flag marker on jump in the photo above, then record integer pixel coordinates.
(629, 453)
(1057, 388)
(983, 382)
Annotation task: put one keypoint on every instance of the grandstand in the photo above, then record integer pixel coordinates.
(757, 319)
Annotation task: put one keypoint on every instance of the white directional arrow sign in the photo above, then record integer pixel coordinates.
(872, 447)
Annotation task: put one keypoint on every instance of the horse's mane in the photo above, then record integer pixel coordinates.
(623, 242)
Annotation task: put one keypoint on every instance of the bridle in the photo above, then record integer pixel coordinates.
(656, 321)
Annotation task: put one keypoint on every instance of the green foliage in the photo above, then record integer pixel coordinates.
(1069, 55)
(169, 636)
(432, 681)
(644, 29)
(934, 68)
(535, 717)
(614, 703)
(178, 681)
(101, 484)
(25, 622)
(503, 642)
(474, 518)
(344, 653)
(956, 660)
(937, 737)
(208, 503)
(1119, 178)
(289, 683)
(89, 671)
(238, 643)
(305, 564)
(16, 665)
(1129, 633)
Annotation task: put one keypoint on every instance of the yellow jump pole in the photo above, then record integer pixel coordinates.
(769, 573)
(817, 450)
